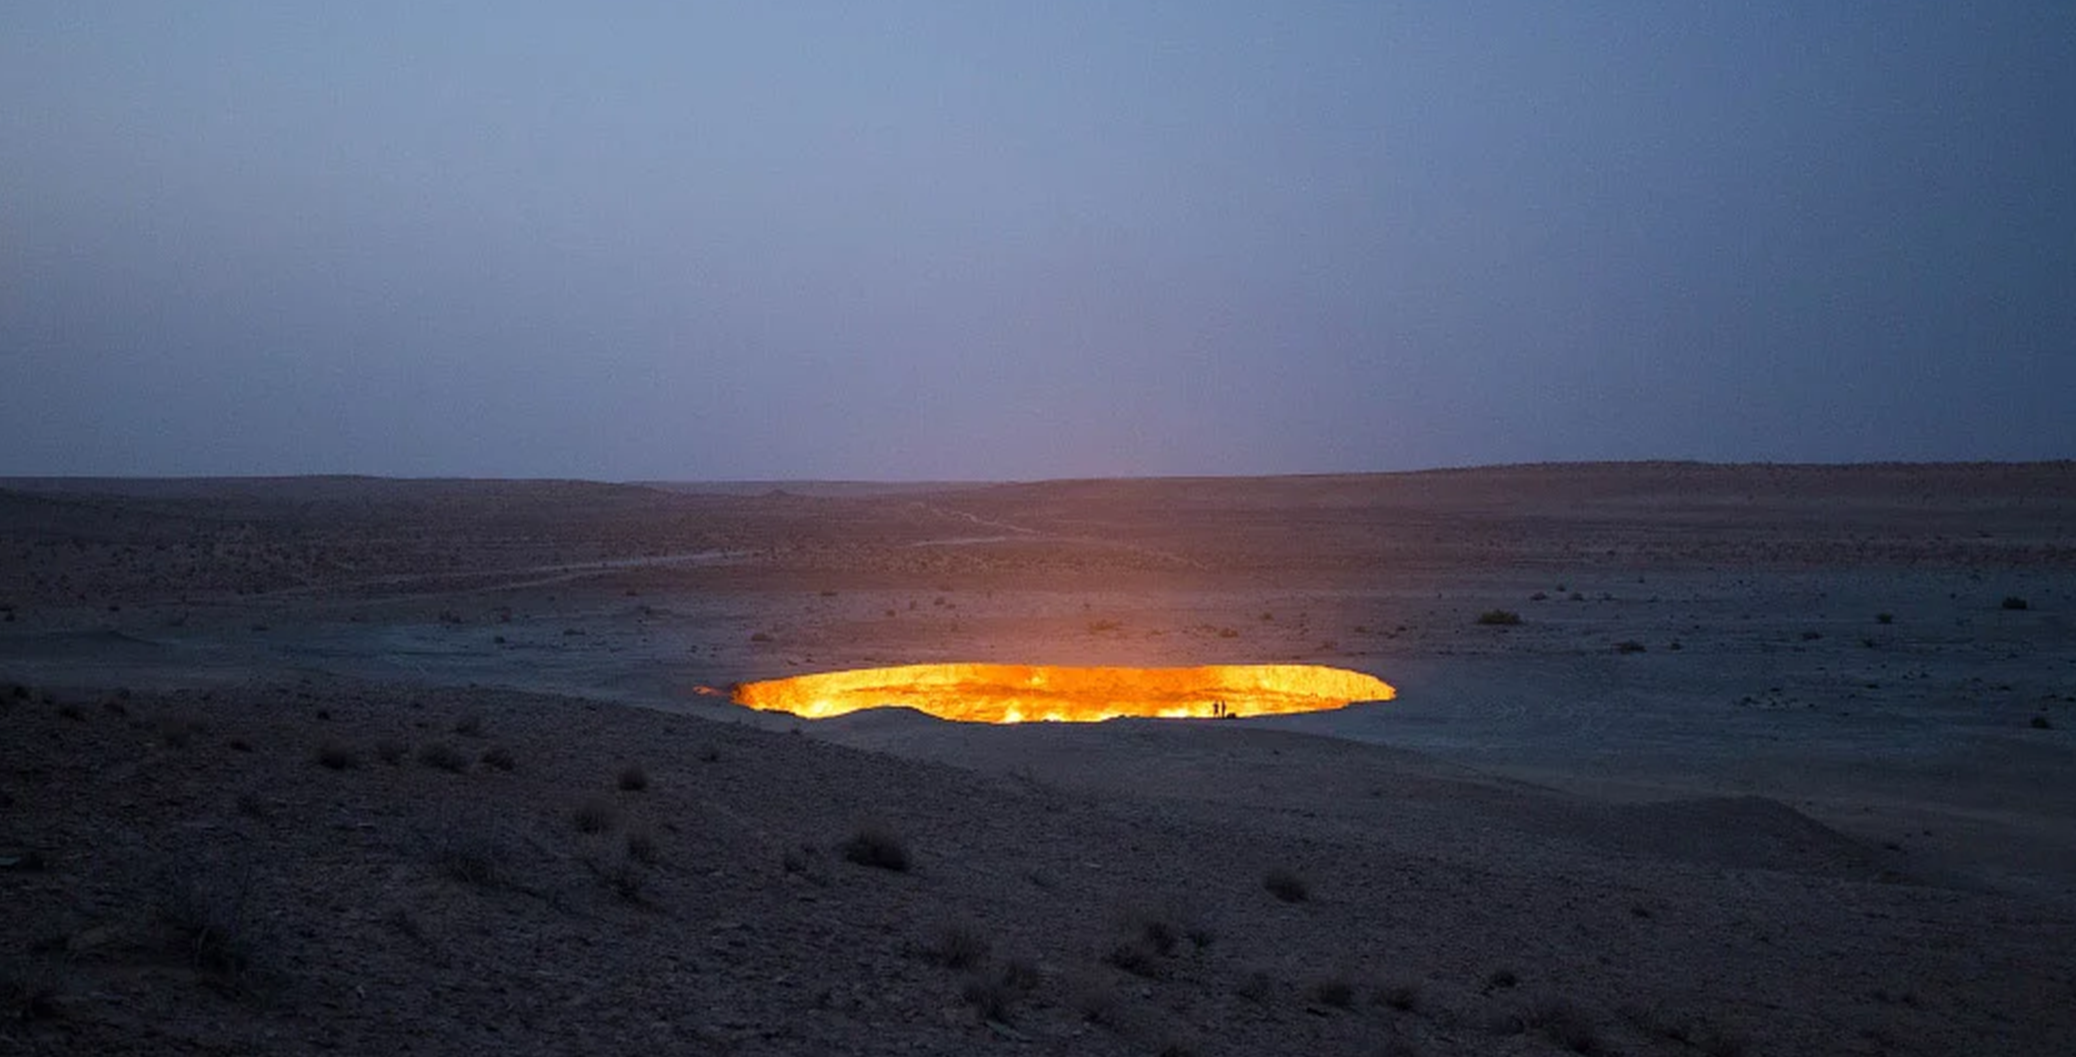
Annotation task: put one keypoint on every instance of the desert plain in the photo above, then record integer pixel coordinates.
(1685, 759)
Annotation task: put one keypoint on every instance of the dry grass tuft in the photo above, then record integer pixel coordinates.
(958, 945)
(594, 816)
(874, 844)
(443, 756)
(1564, 1023)
(337, 756)
(1287, 886)
(642, 847)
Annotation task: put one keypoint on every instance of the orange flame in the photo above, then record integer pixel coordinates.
(1020, 693)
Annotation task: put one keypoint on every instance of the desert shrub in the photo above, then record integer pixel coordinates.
(469, 726)
(391, 751)
(337, 756)
(1094, 999)
(1022, 974)
(2042, 723)
(627, 879)
(499, 757)
(173, 732)
(208, 909)
(29, 992)
(642, 847)
(874, 844)
(1337, 990)
(1565, 1024)
(1630, 646)
(1402, 995)
(1499, 617)
(1287, 886)
(958, 945)
(633, 779)
(1097, 627)
(405, 923)
(443, 756)
(2015, 602)
(989, 995)
(1136, 957)
(1502, 979)
(1256, 986)
(471, 850)
(1720, 1042)
(1884, 618)
(594, 816)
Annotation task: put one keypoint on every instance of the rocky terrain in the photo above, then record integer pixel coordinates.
(1775, 760)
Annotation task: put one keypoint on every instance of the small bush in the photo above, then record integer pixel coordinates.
(2015, 602)
(472, 851)
(2042, 723)
(989, 996)
(642, 847)
(443, 756)
(1022, 974)
(958, 945)
(1094, 999)
(633, 779)
(1884, 618)
(1137, 958)
(1256, 986)
(1499, 617)
(1403, 996)
(1630, 646)
(875, 845)
(594, 816)
(337, 757)
(627, 879)
(1287, 886)
(209, 913)
(1502, 979)
(499, 757)
(1565, 1024)
(391, 752)
(405, 923)
(1337, 991)
(29, 992)
(469, 726)
(174, 733)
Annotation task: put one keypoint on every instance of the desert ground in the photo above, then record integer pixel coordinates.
(1775, 760)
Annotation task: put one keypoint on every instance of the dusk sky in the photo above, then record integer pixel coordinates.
(968, 240)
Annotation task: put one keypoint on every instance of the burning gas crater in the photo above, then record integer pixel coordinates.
(1021, 693)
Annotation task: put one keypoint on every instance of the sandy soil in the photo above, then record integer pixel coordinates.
(1768, 766)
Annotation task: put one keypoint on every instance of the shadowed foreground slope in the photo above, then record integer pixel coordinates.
(378, 869)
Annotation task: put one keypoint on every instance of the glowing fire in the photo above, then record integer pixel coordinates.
(1020, 693)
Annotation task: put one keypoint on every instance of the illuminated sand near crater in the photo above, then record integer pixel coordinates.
(1018, 693)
